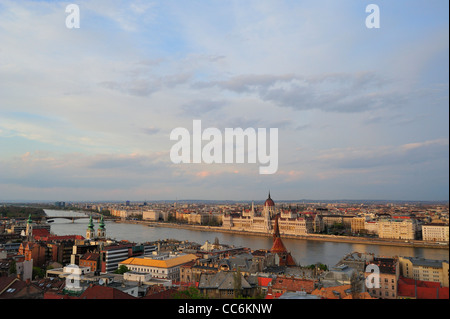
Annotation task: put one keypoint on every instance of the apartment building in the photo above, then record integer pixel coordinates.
(358, 225)
(425, 269)
(397, 229)
(371, 227)
(155, 215)
(435, 232)
(389, 272)
(125, 213)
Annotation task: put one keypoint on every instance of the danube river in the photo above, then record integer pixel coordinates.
(305, 252)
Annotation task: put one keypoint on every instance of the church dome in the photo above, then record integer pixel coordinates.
(269, 202)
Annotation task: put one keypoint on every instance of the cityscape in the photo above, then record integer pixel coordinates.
(37, 263)
(224, 158)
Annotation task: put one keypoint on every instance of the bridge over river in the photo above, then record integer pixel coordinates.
(72, 216)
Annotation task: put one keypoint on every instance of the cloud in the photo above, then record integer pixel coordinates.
(146, 85)
(198, 108)
(387, 156)
(335, 92)
(151, 130)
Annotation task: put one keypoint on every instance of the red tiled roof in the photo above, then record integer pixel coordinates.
(55, 295)
(40, 232)
(5, 282)
(271, 296)
(410, 288)
(293, 284)
(278, 246)
(11, 286)
(263, 281)
(47, 238)
(102, 292)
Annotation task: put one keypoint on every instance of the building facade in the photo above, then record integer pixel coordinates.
(435, 232)
(397, 229)
(425, 269)
(389, 273)
(164, 266)
(358, 225)
(290, 223)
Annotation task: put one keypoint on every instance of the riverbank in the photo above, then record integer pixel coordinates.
(312, 237)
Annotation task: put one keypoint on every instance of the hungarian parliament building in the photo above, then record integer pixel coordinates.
(289, 222)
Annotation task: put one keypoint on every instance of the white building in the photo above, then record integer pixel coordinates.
(151, 215)
(162, 266)
(397, 229)
(435, 232)
(371, 227)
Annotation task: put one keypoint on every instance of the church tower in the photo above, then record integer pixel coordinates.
(90, 233)
(278, 247)
(101, 231)
(29, 228)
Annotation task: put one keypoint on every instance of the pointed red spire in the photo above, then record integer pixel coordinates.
(279, 248)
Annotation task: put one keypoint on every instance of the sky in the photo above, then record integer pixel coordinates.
(86, 113)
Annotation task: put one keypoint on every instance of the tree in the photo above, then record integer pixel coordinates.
(190, 293)
(12, 268)
(237, 283)
(355, 285)
(38, 272)
(121, 270)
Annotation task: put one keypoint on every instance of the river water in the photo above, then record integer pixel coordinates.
(305, 252)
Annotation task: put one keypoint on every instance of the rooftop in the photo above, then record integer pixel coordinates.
(419, 261)
(159, 263)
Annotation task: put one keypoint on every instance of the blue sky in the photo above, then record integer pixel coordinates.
(86, 114)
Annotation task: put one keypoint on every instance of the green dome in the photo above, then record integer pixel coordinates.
(102, 224)
(91, 224)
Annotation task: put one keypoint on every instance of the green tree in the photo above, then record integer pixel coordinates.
(38, 272)
(190, 293)
(121, 270)
(12, 268)
(238, 283)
